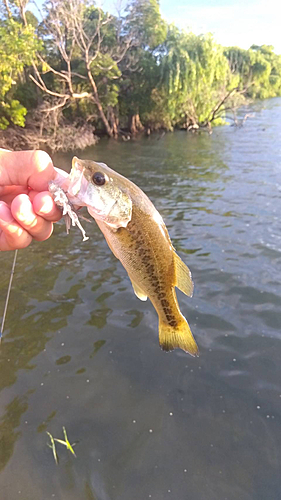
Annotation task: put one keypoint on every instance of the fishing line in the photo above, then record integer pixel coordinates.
(8, 294)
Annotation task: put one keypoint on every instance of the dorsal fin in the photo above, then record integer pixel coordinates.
(183, 277)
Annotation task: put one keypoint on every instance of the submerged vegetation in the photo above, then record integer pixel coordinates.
(78, 72)
(64, 442)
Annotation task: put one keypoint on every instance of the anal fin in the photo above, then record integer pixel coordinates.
(138, 291)
(183, 277)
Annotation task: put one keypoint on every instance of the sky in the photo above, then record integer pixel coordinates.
(233, 22)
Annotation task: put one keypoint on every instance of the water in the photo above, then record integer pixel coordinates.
(81, 351)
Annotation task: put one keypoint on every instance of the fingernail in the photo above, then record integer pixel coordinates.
(24, 211)
(47, 206)
(5, 213)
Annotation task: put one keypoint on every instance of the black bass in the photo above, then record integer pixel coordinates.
(138, 237)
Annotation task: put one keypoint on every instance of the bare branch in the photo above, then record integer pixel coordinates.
(215, 110)
(55, 107)
(43, 87)
(70, 31)
(73, 73)
(8, 9)
(52, 70)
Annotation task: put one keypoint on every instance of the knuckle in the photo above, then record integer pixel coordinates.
(19, 242)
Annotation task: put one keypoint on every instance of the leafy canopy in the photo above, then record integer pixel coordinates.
(18, 46)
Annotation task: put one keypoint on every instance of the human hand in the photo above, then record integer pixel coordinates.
(27, 210)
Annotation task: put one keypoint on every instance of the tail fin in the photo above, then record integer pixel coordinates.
(179, 336)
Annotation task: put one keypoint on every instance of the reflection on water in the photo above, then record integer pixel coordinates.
(81, 351)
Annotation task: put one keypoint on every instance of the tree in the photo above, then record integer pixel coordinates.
(196, 82)
(18, 46)
(93, 71)
(82, 49)
(140, 67)
(258, 70)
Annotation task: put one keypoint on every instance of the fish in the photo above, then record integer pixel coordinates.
(137, 236)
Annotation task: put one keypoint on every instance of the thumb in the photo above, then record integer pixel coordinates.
(32, 169)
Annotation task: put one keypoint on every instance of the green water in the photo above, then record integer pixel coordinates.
(81, 351)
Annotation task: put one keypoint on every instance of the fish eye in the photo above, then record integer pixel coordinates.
(99, 178)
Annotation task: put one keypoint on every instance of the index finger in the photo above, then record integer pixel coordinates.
(33, 169)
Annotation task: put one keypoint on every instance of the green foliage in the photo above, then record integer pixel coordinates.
(160, 114)
(14, 111)
(145, 23)
(18, 45)
(135, 65)
(195, 76)
(141, 69)
(106, 73)
(258, 69)
(137, 86)
(211, 77)
(26, 93)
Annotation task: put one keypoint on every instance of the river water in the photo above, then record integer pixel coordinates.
(81, 351)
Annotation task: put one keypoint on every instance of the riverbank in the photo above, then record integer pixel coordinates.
(65, 138)
(70, 137)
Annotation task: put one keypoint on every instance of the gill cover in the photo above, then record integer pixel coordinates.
(108, 203)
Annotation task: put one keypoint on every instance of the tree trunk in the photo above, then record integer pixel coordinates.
(135, 124)
(113, 121)
(108, 129)
(96, 100)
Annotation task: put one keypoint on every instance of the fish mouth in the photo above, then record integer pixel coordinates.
(77, 183)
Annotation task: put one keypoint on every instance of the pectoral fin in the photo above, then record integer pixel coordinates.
(183, 277)
(138, 291)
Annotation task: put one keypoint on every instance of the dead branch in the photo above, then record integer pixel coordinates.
(215, 110)
(70, 31)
